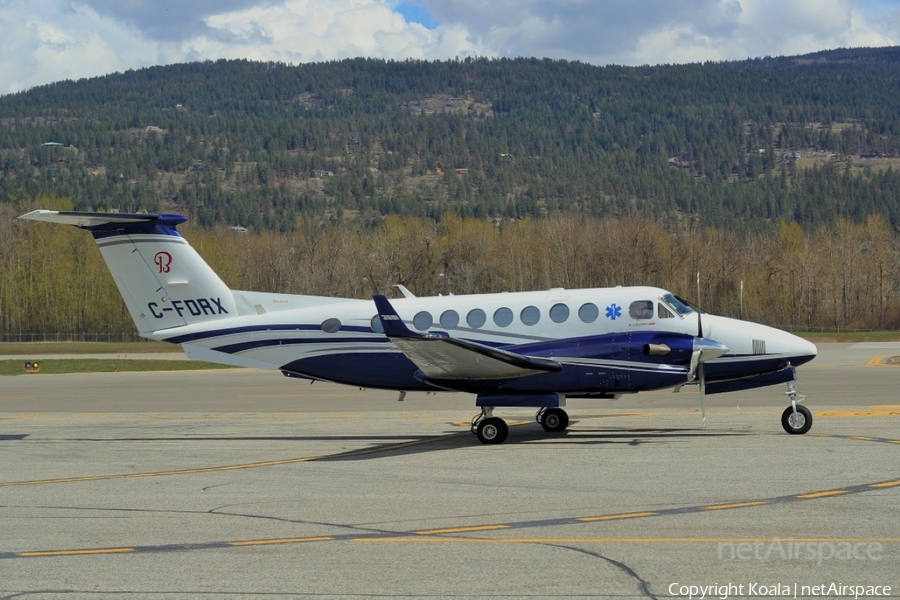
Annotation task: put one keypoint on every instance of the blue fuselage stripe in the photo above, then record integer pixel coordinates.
(205, 335)
(253, 344)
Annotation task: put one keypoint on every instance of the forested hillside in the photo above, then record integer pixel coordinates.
(781, 175)
(806, 139)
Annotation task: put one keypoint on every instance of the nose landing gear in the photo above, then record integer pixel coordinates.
(796, 419)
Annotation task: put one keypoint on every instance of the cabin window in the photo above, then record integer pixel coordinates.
(663, 312)
(588, 312)
(476, 318)
(642, 309)
(449, 319)
(530, 315)
(423, 320)
(559, 313)
(376, 325)
(331, 325)
(503, 317)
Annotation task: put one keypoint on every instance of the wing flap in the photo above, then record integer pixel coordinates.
(439, 356)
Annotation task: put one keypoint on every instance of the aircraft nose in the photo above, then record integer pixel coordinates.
(803, 349)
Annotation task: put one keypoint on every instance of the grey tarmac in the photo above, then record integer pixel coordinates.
(247, 484)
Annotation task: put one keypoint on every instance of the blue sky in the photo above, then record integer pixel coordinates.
(417, 12)
(42, 41)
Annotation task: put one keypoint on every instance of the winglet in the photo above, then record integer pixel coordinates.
(406, 293)
(391, 322)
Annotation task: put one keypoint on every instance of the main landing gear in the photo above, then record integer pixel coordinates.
(552, 419)
(493, 430)
(796, 419)
(488, 428)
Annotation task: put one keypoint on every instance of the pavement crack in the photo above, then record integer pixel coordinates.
(15, 595)
(643, 585)
(346, 526)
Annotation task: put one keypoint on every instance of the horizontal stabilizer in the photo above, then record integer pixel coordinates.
(439, 356)
(95, 220)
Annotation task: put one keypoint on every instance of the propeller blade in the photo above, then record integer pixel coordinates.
(698, 354)
(703, 393)
(695, 361)
(699, 310)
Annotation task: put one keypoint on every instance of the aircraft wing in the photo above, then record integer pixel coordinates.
(439, 356)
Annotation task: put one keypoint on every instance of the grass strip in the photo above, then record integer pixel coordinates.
(99, 365)
(36, 348)
(849, 337)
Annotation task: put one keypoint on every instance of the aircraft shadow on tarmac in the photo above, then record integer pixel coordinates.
(401, 445)
(532, 433)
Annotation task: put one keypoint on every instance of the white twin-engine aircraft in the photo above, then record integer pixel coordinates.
(523, 349)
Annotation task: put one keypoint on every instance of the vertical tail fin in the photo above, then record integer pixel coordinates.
(162, 279)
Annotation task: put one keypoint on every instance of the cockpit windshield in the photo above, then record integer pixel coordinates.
(676, 305)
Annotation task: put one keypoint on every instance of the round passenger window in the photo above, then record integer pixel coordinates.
(476, 318)
(559, 313)
(376, 324)
(331, 325)
(423, 321)
(588, 312)
(449, 319)
(530, 315)
(503, 317)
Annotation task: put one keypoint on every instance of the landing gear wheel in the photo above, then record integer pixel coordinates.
(796, 423)
(492, 430)
(554, 419)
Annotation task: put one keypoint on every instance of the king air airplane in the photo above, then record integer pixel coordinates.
(523, 349)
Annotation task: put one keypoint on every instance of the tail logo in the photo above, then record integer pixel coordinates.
(163, 260)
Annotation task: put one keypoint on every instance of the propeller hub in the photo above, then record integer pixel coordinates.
(709, 349)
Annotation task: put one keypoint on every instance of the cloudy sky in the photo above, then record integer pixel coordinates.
(42, 41)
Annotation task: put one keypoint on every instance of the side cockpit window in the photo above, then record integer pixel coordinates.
(673, 303)
(642, 309)
(663, 312)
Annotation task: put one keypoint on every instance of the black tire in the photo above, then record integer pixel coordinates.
(554, 419)
(796, 424)
(492, 431)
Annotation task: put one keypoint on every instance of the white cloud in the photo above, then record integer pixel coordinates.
(65, 40)
(668, 31)
(42, 41)
(766, 28)
(306, 30)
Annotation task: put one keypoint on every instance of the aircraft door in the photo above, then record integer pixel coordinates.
(610, 356)
(623, 356)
